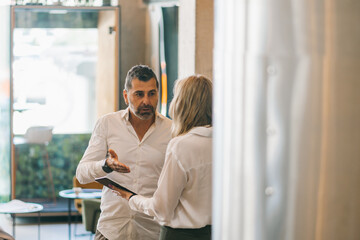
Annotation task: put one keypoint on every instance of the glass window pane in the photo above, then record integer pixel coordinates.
(55, 59)
(54, 79)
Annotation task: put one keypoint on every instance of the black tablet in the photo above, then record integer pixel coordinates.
(109, 183)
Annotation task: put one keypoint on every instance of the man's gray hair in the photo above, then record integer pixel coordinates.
(141, 72)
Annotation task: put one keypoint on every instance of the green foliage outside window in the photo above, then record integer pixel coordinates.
(64, 153)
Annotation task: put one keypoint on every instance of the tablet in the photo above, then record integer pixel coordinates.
(109, 183)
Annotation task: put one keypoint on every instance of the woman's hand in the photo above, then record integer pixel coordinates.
(122, 193)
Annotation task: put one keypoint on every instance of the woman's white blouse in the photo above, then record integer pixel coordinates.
(183, 196)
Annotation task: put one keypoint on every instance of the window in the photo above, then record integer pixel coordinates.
(62, 58)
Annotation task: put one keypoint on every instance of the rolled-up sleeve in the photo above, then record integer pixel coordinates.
(89, 166)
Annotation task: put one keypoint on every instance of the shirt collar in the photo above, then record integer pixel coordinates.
(205, 131)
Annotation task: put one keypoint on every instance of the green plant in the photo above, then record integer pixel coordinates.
(64, 153)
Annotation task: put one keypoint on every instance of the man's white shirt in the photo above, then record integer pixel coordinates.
(145, 159)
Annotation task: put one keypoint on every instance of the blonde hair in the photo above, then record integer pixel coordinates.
(192, 104)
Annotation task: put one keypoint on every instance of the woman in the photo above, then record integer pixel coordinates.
(182, 201)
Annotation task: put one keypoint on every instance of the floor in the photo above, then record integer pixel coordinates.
(55, 228)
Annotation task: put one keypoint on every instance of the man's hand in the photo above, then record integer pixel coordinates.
(122, 193)
(113, 162)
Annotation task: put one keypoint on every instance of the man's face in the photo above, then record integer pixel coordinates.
(142, 98)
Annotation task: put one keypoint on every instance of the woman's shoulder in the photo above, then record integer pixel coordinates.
(196, 136)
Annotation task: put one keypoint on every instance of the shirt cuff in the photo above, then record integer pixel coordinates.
(132, 204)
(98, 169)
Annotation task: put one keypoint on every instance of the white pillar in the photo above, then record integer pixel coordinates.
(286, 108)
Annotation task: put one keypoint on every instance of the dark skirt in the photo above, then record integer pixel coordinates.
(168, 233)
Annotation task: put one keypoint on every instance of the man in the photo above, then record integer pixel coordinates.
(129, 146)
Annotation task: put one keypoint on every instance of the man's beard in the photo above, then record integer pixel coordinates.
(144, 115)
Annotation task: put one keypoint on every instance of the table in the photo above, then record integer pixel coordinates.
(84, 194)
(17, 206)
